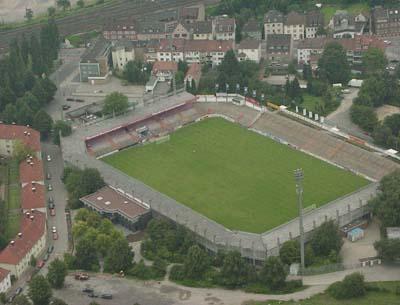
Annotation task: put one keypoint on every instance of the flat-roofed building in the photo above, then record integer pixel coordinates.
(120, 207)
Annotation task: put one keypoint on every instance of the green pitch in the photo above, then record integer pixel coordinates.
(234, 176)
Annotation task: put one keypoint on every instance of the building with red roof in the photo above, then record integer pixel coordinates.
(194, 73)
(31, 241)
(10, 133)
(164, 70)
(33, 196)
(5, 280)
(30, 170)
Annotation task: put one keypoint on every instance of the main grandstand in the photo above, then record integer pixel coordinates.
(87, 144)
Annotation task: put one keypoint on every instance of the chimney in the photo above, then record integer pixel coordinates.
(32, 210)
(28, 214)
(32, 217)
(20, 235)
(12, 243)
(25, 132)
(33, 189)
(29, 134)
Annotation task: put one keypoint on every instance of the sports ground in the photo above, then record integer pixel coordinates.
(240, 179)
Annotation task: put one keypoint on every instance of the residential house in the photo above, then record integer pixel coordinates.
(386, 22)
(346, 26)
(200, 30)
(192, 14)
(314, 21)
(95, 62)
(273, 23)
(150, 50)
(122, 52)
(279, 47)
(209, 52)
(193, 74)
(164, 70)
(9, 134)
(249, 49)
(295, 25)
(31, 241)
(252, 29)
(116, 31)
(148, 30)
(224, 28)
(5, 280)
(181, 31)
(311, 49)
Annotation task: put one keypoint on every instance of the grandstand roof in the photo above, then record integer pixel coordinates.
(29, 136)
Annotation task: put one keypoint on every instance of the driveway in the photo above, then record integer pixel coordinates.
(341, 117)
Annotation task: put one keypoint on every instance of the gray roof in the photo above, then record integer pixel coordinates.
(380, 13)
(200, 27)
(274, 16)
(251, 26)
(166, 15)
(100, 48)
(314, 19)
(151, 27)
(249, 44)
(276, 42)
(124, 43)
(295, 18)
(224, 25)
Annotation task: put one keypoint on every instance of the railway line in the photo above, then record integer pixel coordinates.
(95, 19)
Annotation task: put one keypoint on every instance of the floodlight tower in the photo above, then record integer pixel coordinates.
(299, 174)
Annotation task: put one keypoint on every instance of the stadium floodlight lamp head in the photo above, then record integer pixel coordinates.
(298, 173)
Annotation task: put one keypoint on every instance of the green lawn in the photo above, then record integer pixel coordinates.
(236, 177)
(371, 298)
(310, 101)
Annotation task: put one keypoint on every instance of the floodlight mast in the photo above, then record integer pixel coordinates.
(299, 174)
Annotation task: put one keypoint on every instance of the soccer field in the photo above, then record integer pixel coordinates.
(234, 176)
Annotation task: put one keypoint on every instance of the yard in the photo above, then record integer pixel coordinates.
(234, 176)
(353, 9)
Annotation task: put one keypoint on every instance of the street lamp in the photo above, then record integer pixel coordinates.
(299, 175)
(216, 88)
(226, 89)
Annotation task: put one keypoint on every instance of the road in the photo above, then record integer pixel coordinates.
(341, 117)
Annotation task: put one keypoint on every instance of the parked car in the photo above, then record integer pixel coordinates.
(55, 235)
(52, 212)
(48, 158)
(88, 290)
(46, 257)
(107, 296)
(49, 187)
(40, 264)
(54, 229)
(51, 205)
(48, 176)
(70, 99)
(50, 200)
(18, 291)
(50, 249)
(81, 276)
(79, 100)
(65, 107)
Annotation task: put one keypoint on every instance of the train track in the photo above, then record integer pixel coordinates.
(95, 19)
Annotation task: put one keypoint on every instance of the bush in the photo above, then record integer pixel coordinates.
(353, 286)
(397, 291)
(177, 273)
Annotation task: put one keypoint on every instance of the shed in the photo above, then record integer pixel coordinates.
(355, 234)
(355, 83)
(393, 232)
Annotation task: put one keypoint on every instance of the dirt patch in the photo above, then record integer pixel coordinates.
(137, 236)
(183, 294)
(386, 110)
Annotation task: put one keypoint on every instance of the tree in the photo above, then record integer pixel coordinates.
(364, 116)
(273, 272)
(21, 300)
(43, 123)
(64, 4)
(86, 253)
(374, 61)
(136, 72)
(57, 273)
(183, 66)
(51, 11)
(196, 263)
(307, 72)
(333, 65)
(235, 271)
(28, 14)
(386, 204)
(80, 3)
(326, 238)
(36, 55)
(61, 127)
(290, 252)
(115, 103)
(33, 261)
(119, 257)
(3, 298)
(352, 286)
(39, 290)
(388, 249)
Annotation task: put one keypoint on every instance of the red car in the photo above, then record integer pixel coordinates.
(40, 264)
(53, 212)
(55, 236)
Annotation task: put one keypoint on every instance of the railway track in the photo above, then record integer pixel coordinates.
(95, 19)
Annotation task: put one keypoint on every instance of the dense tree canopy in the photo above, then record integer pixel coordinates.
(326, 238)
(57, 273)
(333, 65)
(115, 103)
(388, 249)
(197, 263)
(289, 252)
(273, 272)
(39, 290)
(374, 61)
(235, 272)
(136, 72)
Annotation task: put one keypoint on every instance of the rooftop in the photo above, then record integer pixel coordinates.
(165, 66)
(194, 70)
(278, 39)
(31, 231)
(100, 48)
(189, 13)
(249, 44)
(110, 200)
(30, 170)
(393, 232)
(184, 45)
(251, 26)
(33, 196)
(199, 27)
(314, 19)
(295, 18)
(224, 24)
(29, 136)
(274, 16)
(3, 274)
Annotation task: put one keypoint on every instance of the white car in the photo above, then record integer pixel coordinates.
(48, 158)
(54, 230)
